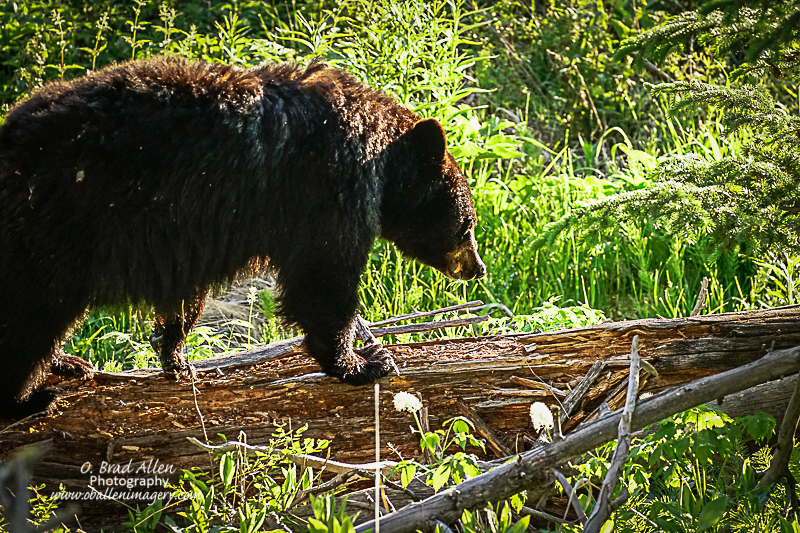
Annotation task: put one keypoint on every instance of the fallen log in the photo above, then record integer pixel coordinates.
(142, 417)
(532, 470)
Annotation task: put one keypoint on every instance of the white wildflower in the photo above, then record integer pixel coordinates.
(252, 295)
(404, 401)
(541, 416)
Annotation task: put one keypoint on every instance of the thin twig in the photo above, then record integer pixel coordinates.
(573, 498)
(536, 513)
(701, 298)
(783, 449)
(378, 458)
(300, 459)
(338, 481)
(419, 314)
(428, 326)
(602, 510)
(538, 385)
(408, 492)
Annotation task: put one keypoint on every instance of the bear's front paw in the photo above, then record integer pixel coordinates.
(71, 367)
(368, 365)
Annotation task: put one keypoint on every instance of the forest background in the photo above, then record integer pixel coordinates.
(541, 115)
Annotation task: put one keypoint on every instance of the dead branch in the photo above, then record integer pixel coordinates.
(420, 314)
(602, 508)
(779, 466)
(572, 496)
(428, 326)
(701, 298)
(364, 333)
(303, 460)
(577, 394)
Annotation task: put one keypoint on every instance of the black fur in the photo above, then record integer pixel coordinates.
(149, 182)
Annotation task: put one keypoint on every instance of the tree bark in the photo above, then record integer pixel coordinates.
(141, 416)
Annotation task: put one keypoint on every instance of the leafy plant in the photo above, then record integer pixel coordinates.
(692, 474)
(244, 492)
(328, 519)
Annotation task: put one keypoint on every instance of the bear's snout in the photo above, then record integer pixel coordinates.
(464, 263)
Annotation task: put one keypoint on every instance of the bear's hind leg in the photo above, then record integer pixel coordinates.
(169, 334)
(70, 366)
(27, 351)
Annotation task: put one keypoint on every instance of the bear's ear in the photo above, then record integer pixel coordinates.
(427, 137)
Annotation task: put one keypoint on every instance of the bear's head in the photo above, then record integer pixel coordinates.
(427, 211)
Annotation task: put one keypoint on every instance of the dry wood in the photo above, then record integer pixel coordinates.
(428, 326)
(701, 298)
(531, 384)
(530, 471)
(577, 394)
(143, 416)
(420, 314)
(364, 333)
(493, 442)
(602, 509)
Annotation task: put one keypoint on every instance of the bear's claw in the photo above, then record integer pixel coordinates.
(370, 364)
(173, 364)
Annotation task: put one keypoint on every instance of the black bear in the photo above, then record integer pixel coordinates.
(151, 181)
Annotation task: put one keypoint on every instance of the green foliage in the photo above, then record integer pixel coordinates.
(445, 470)
(553, 60)
(765, 31)
(44, 510)
(244, 492)
(748, 198)
(327, 519)
(549, 317)
(692, 474)
(499, 519)
(145, 520)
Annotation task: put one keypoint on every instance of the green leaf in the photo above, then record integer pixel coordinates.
(407, 474)
(712, 512)
(759, 425)
(608, 527)
(226, 469)
(440, 477)
(459, 426)
(429, 442)
(520, 526)
(518, 500)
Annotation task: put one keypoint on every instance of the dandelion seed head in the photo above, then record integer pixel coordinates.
(405, 401)
(541, 417)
